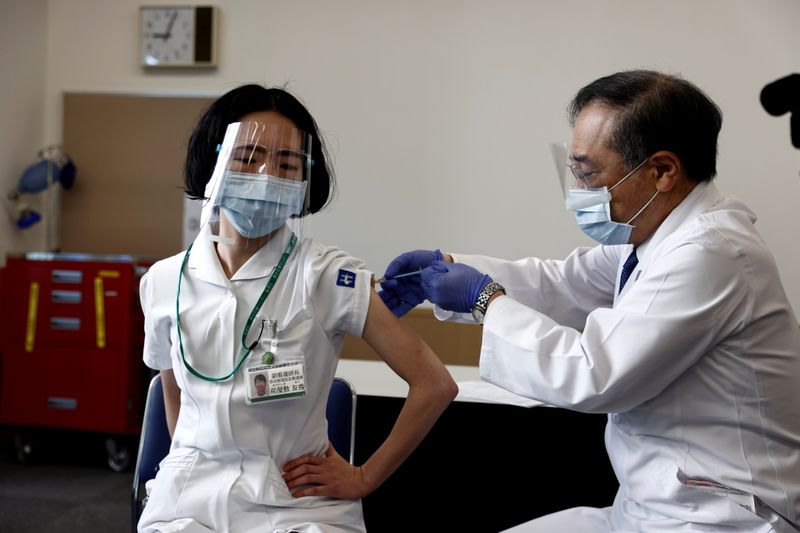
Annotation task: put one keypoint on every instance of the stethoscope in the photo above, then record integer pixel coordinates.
(248, 348)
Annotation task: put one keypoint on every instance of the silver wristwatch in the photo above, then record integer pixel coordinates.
(479, 309)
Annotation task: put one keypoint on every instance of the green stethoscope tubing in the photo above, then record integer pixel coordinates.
(267, 289)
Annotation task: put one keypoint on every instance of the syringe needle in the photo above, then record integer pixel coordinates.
(403, 275)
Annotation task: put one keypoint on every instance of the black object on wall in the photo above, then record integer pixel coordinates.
(783, 96)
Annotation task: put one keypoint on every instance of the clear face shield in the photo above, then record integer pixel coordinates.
(576, 182)
(260, 186)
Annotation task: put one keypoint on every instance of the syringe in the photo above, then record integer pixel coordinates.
(403, 275)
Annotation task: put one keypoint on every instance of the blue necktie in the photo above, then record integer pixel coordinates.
(627, 268)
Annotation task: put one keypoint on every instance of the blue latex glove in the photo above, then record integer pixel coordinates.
(403, 294)
(453, 286)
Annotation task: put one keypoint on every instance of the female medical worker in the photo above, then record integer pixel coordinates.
(252, 297)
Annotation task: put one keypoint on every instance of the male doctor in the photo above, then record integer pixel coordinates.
(676, 325)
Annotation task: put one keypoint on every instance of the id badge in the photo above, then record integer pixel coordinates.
(278, 381)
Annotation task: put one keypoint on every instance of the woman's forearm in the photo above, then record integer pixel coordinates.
(425, 403)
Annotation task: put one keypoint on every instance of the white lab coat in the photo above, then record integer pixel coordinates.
(223, 472)
(697, 362)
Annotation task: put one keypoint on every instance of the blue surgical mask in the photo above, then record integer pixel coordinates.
(592, 209)
(259, 204)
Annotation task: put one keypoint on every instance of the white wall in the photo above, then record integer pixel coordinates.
(23, 31)
(438, 113)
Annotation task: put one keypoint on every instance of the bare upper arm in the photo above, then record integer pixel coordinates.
(398, 345)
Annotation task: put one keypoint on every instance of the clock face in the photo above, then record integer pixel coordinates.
(168, 36)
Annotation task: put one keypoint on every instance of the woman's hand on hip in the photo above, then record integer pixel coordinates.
(327, 475)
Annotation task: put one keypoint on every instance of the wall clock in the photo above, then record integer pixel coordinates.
(178, 36)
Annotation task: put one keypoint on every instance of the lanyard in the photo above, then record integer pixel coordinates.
(267, 289)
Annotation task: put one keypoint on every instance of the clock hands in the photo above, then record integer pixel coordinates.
(168, 33)
(171, 23)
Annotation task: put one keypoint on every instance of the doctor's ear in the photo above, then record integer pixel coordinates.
(668, 169)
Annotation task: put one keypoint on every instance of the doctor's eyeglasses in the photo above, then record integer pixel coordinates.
(583, 177)
(587, 176)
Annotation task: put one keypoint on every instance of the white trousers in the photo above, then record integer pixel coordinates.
(594, 520)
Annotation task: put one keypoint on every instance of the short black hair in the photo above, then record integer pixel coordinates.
(201, 156)
(260, 377)
(657, 111)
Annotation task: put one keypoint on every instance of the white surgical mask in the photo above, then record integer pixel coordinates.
(592, 209)
(259, 204)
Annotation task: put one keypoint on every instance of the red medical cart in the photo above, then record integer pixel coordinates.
(71, 344)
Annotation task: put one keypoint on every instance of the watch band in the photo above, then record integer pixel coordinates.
(479, 309)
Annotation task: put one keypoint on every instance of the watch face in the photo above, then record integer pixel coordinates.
(168, 35)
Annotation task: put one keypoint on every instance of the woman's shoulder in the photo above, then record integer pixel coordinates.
(169, 265)
(162, 274)
(317, 255)
(337, 286)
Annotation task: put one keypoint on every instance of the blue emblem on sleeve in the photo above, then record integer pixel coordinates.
(346, 278)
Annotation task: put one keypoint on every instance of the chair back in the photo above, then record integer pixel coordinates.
(154, 443)
(341, 415)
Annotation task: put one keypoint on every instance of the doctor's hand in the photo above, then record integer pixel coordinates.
(403, 294)
(453, 286)
(329, 475)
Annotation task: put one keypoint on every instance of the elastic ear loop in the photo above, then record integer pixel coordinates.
(643, 208)
(628, 175)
